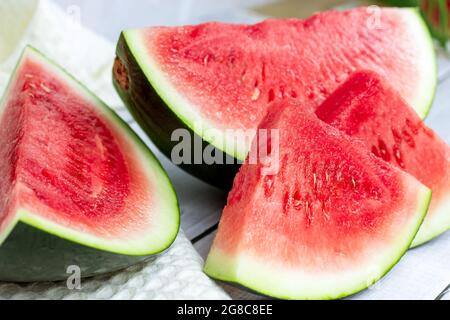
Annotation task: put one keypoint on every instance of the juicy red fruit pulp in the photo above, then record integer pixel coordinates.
(330, 206)
(61, 159)
(231, 73)
(367, 108)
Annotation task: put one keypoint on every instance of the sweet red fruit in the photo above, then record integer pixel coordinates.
(223, 76)
(368, 108)
(333, 220)
(71, 169)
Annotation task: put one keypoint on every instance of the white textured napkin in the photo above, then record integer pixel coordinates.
(177, 274)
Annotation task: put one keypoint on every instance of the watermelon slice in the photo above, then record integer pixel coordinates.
(71, 169)
(366, 107)
(332, 221)
(217, 77)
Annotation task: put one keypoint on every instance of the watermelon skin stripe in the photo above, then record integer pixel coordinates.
(35, 248)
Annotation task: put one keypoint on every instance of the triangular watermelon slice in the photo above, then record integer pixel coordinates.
(71, 169)
(217, 77)
(332, 220)
(368, 108)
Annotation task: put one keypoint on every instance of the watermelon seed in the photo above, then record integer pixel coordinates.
(354, 183)
(243, 75)
(414, 128)
(256, 94)
(309, 214)
(271, 95)
(375, 194)
(323, 91)
(409, 139)
(310, 93)
(383, 150)
(206, 60)
(327, 176)
(282, 91)
(268, 185)
(398, 156)
(297, 200)
(45, 88)
(315, 180)
(375, 151)
(263, 72)
(339, 176)
(286, 202)
(397, 136)
(232, 57)
(28, 85)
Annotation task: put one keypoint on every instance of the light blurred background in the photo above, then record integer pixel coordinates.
(109, 17)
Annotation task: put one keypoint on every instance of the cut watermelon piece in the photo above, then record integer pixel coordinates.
(217, 77)
(366, 107)
(71, 168)
(331, 222)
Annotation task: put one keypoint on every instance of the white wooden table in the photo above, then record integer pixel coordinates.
(201, 205)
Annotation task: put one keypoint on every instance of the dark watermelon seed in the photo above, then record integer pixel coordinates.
(268, 185)
(271, 95)
(286, 202)
(375, 151)
(397, 136)
(384, 150)
(409, 139)
(297, 200)
(398, 156)
(414, 127)
(309, 214)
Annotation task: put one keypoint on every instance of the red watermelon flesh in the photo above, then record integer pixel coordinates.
(333, 220)
(224, 76)
(70, 167)
(368, 108)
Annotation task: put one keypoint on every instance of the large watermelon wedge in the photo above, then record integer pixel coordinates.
(77, 186)
(366, 107)
(333, 220)
(217, 77)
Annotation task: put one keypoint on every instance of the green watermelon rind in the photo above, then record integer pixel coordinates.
(170, 222)
(258, 278)
(174, 99)
(159, 121)
(182, 109)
